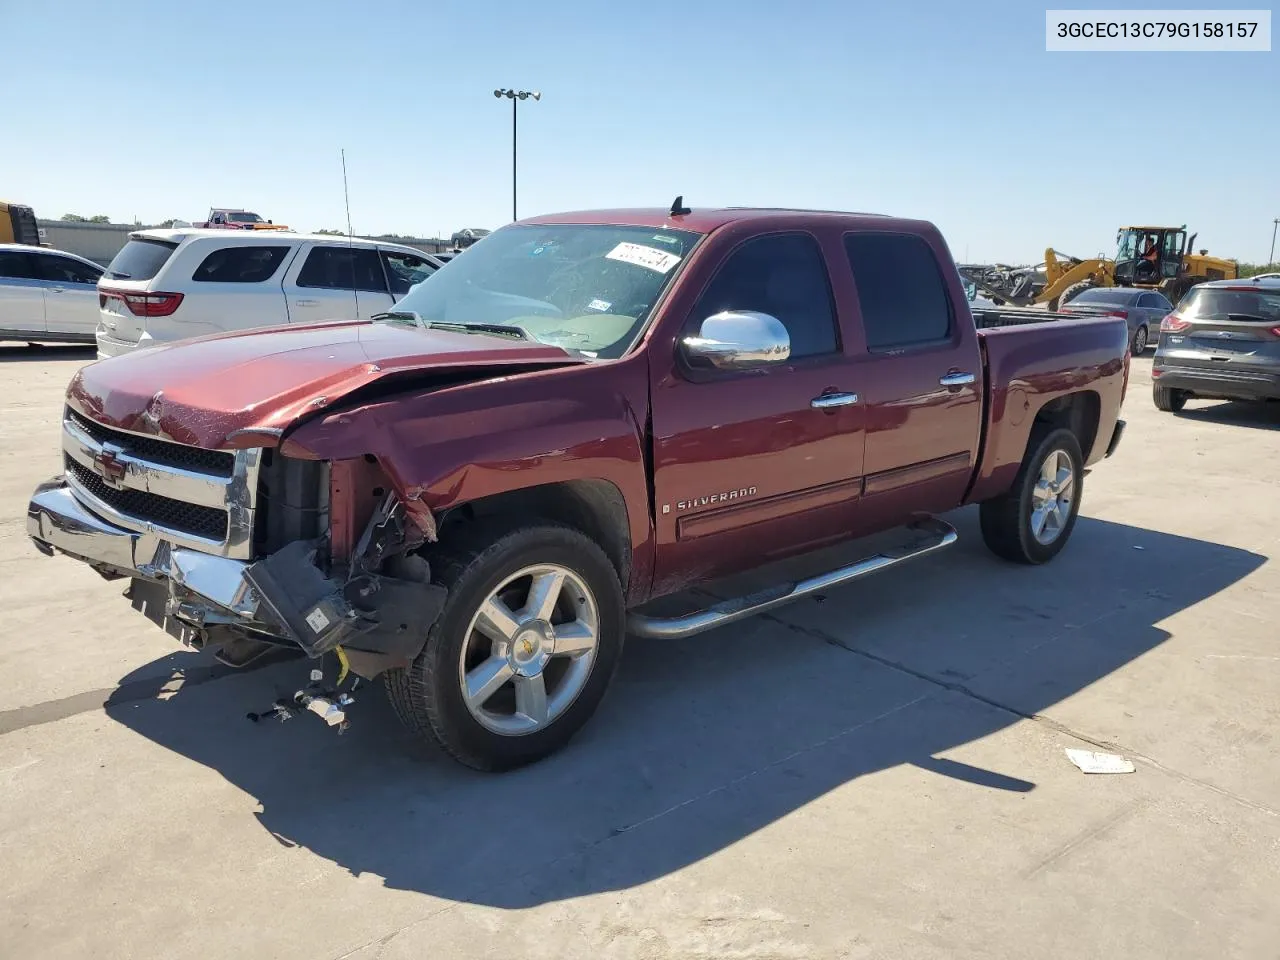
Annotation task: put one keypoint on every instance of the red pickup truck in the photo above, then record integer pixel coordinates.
(477, 494)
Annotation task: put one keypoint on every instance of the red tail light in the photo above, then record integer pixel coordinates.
(1122, 314)
(142, 304)
(1172, 323)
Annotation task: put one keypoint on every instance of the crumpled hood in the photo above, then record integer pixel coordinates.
(206, 391)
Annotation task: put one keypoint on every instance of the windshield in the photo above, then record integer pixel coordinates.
(1203, 303)
(587, 288)
(240, 216)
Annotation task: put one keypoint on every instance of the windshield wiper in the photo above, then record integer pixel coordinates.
(411, 316)
(494, 329)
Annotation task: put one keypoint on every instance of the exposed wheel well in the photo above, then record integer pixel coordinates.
(1078, 412)
(595, 507)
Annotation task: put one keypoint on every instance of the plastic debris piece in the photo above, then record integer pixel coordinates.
(1090, 762)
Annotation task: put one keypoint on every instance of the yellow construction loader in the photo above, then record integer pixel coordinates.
(1156, 258)
(18, 224)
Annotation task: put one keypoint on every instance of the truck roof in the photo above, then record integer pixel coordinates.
(702, 220)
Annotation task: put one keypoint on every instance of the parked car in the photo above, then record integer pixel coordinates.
(1221, 343)
(47, 295)
(227, 218)
(1143, 309)
(478, 494)
(177, 283)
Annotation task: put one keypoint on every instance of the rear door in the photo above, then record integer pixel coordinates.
(921, 376)
(1232, 331)
(1155, 307)
(21, 293)
(336, 282)
(71, 294)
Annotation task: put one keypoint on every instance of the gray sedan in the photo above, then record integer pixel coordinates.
(1144, 309)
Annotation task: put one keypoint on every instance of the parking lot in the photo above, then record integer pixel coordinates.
(879, 772)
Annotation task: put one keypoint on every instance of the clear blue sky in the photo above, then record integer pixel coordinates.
(161, 109)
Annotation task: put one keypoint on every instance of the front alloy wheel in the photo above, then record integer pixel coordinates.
(529, 650)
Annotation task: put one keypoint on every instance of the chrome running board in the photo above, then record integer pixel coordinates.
(932, 534)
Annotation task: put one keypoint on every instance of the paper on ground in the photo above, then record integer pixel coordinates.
(1091, 762)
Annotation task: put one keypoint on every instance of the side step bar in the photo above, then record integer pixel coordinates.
(930, 535)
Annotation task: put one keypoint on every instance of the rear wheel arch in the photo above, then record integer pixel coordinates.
(595, 508)
(1080, 412)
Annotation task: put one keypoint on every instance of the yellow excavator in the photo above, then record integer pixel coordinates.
(18, 224)
(1154, 258)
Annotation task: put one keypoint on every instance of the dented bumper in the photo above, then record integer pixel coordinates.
(381, 621)
(209, 585)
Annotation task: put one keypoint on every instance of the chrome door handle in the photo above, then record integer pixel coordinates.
(829, 400)
(304, 303)
(956, 379)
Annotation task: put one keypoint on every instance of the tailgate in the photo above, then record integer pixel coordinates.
(123, 289)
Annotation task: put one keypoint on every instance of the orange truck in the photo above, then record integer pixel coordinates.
(230, 218)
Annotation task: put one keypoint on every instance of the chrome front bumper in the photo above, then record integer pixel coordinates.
(202, 588)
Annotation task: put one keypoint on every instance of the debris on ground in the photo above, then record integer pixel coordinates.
(1090, 762)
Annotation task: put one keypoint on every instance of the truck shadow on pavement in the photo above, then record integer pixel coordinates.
(705, 741)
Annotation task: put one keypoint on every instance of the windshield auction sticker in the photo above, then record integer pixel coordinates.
(1125, 31)
(658, 261)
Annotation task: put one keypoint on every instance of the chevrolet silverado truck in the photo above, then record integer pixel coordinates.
(475, 495)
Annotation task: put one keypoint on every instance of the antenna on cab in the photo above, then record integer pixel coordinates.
(678, 209)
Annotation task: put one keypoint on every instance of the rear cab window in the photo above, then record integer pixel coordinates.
(900, 290)
(141, 259)
(240, 264)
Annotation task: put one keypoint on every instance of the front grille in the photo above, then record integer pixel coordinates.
(217, 463)
(139, 505)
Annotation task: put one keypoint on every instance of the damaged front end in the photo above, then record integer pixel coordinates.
(244, 551)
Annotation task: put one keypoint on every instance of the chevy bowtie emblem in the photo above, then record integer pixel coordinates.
(109, 467)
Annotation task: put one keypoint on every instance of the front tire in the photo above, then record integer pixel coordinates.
(1033, 521)
(1168, 399)
(1139, 345)
(523, 650)
(1071, 293)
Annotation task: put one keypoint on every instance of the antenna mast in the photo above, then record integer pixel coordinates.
(346, 199)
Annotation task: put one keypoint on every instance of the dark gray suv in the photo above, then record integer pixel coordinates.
(1222, 342)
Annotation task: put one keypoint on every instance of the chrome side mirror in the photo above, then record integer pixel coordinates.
(738, 340)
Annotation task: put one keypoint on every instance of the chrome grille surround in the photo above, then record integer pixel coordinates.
(141, 474)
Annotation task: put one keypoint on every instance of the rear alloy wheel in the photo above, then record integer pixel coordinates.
(1033, 521)
(523, 651)
(1168, 399)
(1139, 345)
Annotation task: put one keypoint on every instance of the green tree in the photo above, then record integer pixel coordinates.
(332, 233)
(72, 218)
(100, 218)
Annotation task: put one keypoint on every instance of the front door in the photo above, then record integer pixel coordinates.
(752, 466)
(336, 282)
(921, 378)
(71, 294)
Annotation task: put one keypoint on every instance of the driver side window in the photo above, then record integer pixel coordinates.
(784, 276)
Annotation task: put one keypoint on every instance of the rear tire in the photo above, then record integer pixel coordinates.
(1168, 399)
(1033, 521)
(1071, 293)
(501, 729)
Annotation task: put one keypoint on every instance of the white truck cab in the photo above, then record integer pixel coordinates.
(173, 284)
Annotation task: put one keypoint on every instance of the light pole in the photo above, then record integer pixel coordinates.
(514, 96)
(1272, 259)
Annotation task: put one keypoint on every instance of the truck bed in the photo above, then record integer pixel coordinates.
(1034, 361)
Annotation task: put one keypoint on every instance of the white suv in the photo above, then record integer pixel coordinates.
(173, 284)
